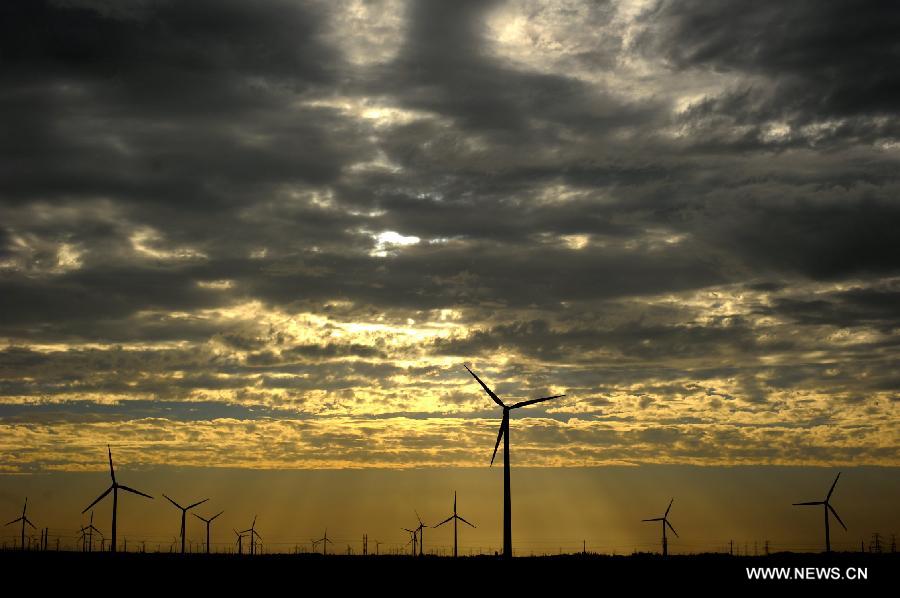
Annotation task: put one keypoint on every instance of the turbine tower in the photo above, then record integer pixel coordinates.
(324, 541)
(665, 522)
(207, 522)
(115, 490)
(24, 519)
(184, 511)
(504, 435)
(826, 505)
(455, 518)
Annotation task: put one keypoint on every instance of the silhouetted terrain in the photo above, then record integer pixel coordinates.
(473, 574)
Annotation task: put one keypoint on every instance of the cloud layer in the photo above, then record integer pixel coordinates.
(229, 225)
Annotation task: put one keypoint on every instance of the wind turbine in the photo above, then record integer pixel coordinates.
(412, 539)
(454, 517)
(89, 530)
(24, 519)
(184, 511)
(827, 507)
(665, 522)
(239, 542)
(253, 535)
(504, 435)
(324, 541)
(115, 490)
(421, 530)
(207, 521)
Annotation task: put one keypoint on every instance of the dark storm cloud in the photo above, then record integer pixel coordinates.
(315, 206)
(827, 58)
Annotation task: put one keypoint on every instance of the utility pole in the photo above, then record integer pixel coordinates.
(731, 547)
(767, 548)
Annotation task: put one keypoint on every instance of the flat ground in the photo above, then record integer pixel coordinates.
(91, 573)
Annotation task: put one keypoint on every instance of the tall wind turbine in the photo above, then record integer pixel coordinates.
(251, 531)
(665, 522)
(504, 435)
(115, 490)
(184, 511)
(207, 522)
(324, 541)
(455, 518)
(24, 519)
(826, 505)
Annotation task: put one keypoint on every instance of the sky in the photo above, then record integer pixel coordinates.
(267, 235)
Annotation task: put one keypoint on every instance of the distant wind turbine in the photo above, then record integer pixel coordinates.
(412, 539)
(24, 519)
(421, 530)
(827, 507)
(665, 522)
(454, 517)
(89, 530)
(504, 435)
(239, 542)
(251, 531)
(207, 522)
(184, 511)
(115, 490)
(324, 541)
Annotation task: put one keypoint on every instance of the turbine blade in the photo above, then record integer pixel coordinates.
(14, 520)
(32, 525)
(655, 519)
(669, 507)
(503, 423)
(464, 521)
(133, 491)
(417, 517)
(444, 521)
(200, 518)
(832, 487)
(172, 501)
(671, 528)
(197, 503)
(216, 515)
(112, 472)
(800, 504)
(101, 497)
(838, 517)
(533, 401)
(486, 389)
